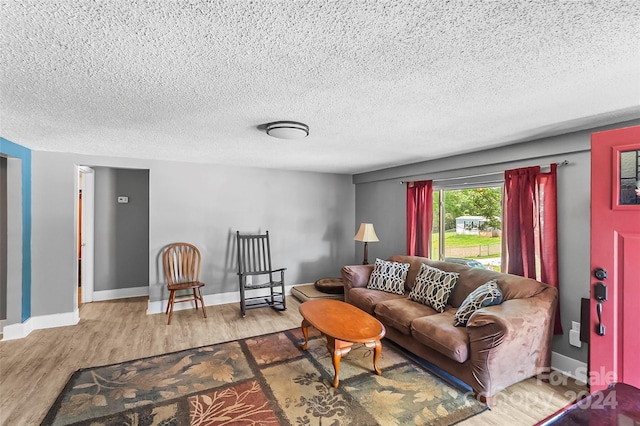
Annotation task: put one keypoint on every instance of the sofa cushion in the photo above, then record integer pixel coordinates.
(433, 287)
(470, 279)
(487, 294)
(438, 332)
(388, 276)
(415, 262)
(399, 313)
(517, 287)
(367, 300)
(512, 286)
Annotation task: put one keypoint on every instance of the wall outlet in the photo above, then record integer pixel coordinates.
(574, 338)
(122, 199)
(574, 334)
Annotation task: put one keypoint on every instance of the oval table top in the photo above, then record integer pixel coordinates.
(342, 320)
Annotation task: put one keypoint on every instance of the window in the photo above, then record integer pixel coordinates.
(630, 177)
(467, 226)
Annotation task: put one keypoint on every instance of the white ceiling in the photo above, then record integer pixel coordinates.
(380, 83)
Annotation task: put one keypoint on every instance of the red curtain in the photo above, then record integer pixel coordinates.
(531, 230)
(419, 217)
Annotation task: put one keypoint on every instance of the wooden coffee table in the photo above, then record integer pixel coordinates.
(343, 325)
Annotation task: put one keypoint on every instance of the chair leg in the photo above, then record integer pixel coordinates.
(284, 298)
(166, 311)
(243, 310)
(204, 311)
(172, 297)
(195, 297)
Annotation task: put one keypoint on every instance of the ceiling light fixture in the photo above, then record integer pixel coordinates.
(287, 130)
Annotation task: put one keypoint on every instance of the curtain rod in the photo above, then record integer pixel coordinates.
(563, 163)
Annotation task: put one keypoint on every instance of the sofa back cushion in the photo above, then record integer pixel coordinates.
(512, 286)
(414, 267)
(471, 279)
(433, 287)
(488, 294)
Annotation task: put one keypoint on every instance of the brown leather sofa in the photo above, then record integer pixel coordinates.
(500, 345)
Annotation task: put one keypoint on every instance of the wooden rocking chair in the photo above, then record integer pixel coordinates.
(255, 273)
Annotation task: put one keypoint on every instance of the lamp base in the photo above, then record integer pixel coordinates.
(366, 254)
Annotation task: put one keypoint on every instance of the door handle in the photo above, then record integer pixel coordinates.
(600, 294)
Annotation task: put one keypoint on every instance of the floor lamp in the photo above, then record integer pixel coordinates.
(367, 235)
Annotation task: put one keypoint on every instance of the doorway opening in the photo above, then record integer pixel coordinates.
(85, 231)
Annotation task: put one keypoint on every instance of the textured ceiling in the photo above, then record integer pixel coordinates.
(380, 83)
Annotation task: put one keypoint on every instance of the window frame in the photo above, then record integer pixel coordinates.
(440, 188)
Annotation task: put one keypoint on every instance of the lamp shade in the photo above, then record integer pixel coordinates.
(287, 130)
(366, 233)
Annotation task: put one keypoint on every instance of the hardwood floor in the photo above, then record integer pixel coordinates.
(34, 370)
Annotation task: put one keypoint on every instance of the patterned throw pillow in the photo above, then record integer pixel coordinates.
(488, 294)
(433, 287)
(388, 276)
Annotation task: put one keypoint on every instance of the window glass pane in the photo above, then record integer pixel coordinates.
(435, 229)
(630, 177)
(472, 226)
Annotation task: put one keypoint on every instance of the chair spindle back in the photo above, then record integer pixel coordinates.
(181, 263)
(254, 253)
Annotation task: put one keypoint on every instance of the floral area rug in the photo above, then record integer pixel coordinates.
(264, 380)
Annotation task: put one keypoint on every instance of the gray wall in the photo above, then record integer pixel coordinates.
(380, 198)
(121, 230)
(383, 204)
(3, 240)
(309, 216)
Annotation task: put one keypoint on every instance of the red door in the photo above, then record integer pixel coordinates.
(614, 350)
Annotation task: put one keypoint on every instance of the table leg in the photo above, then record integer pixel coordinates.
(337, 348)
(377, 350)
(305, 333)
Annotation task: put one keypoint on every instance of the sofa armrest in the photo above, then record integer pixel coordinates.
(511, 341)
(355, 276)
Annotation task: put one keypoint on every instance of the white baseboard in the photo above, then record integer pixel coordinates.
(569, 366)
(120, 293)
(18, 331)
(160, 306)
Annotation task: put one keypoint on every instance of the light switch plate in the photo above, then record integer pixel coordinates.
(575, 325)
(123, 199)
